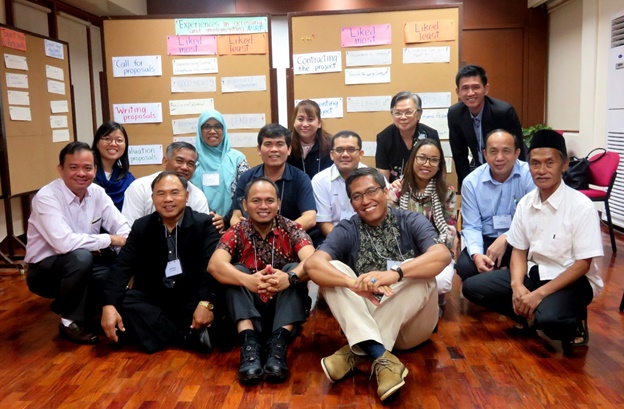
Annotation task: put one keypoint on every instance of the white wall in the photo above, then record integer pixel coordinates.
(589, 21)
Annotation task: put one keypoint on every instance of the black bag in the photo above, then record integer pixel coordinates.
(577, 175)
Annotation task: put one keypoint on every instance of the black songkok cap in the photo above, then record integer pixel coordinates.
(547, 138)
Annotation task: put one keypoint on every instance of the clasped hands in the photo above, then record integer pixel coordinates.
(375, 282)
(525, 302)
(267, 282)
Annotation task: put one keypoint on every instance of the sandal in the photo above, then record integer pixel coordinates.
(581, 337)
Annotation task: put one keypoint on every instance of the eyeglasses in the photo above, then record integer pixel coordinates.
(409, 113)
(208, 127)
(107, 140)
(370, 192)
(351, 150)
(421, 160)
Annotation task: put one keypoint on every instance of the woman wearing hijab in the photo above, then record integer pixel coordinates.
(218, 166)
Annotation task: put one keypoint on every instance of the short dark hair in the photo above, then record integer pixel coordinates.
(471, 71)
(274, 131)
(406, 95)
(347, 134)
(72, 148)
(176, 146)
(258, 180)
(166, 173)
(517, 142)
(361, 172)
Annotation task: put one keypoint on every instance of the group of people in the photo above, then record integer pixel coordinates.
(209, 247)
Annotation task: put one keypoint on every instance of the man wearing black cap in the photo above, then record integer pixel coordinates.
(555, 235)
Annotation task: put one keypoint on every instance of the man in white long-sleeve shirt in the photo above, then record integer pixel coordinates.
(181, 158)
(67, 254)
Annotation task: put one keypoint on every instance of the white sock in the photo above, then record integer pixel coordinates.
(66, 322)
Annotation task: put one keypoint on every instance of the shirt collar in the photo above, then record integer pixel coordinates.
(250, 231)
(69, 196)
(287, 175)
(479, 116)
(334, 173)
(487, 176)
(554, 200)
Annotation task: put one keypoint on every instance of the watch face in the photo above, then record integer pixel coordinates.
(293, 278)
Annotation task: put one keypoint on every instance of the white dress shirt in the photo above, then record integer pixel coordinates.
(138, 199)
(330, 195)
(60, 223)
(557, 232)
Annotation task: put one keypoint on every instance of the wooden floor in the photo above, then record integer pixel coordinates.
(474, 361)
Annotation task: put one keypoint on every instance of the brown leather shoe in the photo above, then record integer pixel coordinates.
(75, 333)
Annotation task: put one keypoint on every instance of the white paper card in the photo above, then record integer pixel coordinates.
(188, 139)
(426, 55)
(359, 58)
(193, 84)
(55, 73)
(330, 107)
(184, 126)
(190, 106)
(15, 62)
(147, 113)
(18, 97)
(369, 148)
(243, 84)
(367, 75)
(58, 121)
(137, 66)
(19, 113)
(435, 99)
(195, 66)
(54, 49)
(436, 118)
(315, 63)
(56, 87)
(244, 121)
(16, 80)
(145, 154)
(243, 139)
(60, 135)
(369, 104)
(173, 268)
(58, 107)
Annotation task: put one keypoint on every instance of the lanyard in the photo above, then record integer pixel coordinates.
(395, 240)
(253, 240)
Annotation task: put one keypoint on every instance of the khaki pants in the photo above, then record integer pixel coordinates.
(403, 321)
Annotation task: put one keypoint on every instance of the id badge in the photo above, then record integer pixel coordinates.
(392, 263)
(502, 221)
(210, 179)
(173, 268)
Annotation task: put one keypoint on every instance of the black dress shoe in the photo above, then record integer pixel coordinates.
(75, 333)
(276, 368)
(250, 370)
(198, 340)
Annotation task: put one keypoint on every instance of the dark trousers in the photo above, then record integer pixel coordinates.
(557, 315)
(290, 306)
(155, 323)
(74, 280)
(466, 268)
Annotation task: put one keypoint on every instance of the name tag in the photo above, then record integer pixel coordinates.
(502, 221)
(173, 268)
(210, 179)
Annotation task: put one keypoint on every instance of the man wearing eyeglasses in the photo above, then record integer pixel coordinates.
(181, 158)
(377, 273)
(330, 194)
(395, 143)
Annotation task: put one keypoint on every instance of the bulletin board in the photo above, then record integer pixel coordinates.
(243, 55)
(37, 112)
(432, 63)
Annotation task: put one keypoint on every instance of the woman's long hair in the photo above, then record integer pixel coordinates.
(310, 108)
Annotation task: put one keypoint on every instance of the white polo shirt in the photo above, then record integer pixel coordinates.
(138, 199)
(330, 195)
(557, 232)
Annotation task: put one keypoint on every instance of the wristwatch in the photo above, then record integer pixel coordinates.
(397, 268)
(206, 304)
(293, 278)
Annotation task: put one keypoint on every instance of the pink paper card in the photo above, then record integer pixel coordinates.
(192, 45)
(361, 36)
